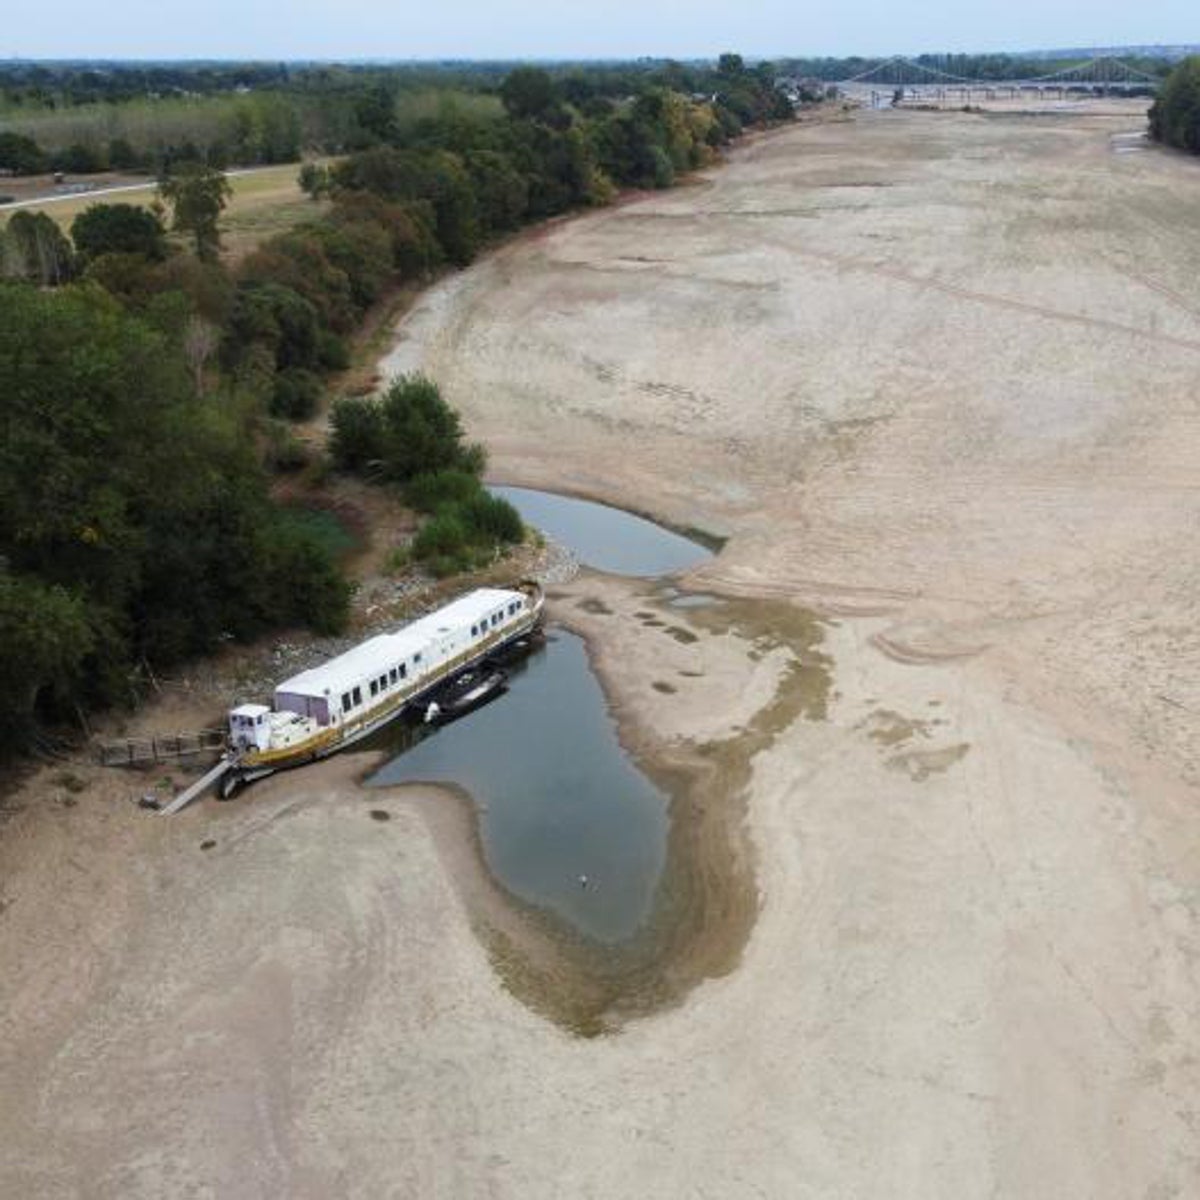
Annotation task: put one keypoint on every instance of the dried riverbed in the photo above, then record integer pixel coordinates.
(933, 375)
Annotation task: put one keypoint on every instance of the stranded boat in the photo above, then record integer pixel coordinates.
(324, 710)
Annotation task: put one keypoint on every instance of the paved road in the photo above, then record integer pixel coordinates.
(61, 197)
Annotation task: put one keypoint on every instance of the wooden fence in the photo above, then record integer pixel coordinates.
(133, 752)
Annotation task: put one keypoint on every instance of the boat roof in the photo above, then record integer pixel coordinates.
(389, 649)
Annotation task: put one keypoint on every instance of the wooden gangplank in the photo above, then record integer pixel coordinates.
(196, 790)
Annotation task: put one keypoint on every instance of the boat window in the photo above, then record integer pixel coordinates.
(416, 658)
(474, 630)
(374, 687)
(383, 683)
(403, 670)
(357, 696)
(392, 677)
(345, 702)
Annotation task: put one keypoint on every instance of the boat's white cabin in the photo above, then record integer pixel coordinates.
(250, 727)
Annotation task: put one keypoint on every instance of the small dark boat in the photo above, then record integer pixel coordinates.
(463, 694)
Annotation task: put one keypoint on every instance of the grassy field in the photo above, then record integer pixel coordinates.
(266, 201)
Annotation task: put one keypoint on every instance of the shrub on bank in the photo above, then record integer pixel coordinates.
(410, 431)
(1175, 114)
(295, 394)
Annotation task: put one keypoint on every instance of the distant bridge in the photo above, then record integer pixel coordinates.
(1103, 75)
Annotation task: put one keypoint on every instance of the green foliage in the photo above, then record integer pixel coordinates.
(32, 247)
(277, 318)
(332, 352)
(197, 195)
(357, 435)
(314, 180)
(296, 395)
(431, 490)
(284, 453)
(118, 229)
(320, 526)
(314, 593)
(492, 517)
(20, 154)
(411, 430)
(133, 503)
(80, 159)
(1175, 114)
(437, 178)
(44, 639)
(528, 94)
(468, 526)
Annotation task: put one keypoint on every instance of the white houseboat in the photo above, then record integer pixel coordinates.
(325, 709)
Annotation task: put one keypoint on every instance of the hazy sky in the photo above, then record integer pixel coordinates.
(596, 29)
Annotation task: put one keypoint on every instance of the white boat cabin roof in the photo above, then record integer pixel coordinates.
(387, 650)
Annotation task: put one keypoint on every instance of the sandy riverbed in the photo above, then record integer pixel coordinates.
(935, 377)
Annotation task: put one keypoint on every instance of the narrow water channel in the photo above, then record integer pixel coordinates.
(605, 538)
(567, 821)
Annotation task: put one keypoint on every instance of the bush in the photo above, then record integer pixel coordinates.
(21, 155)
(468, 525)
(1175, 115)
(411, 431)
(317, 595)
(445, 545)
(119, 229)
(79, 159)
(430, 491)
(332, 352)
(284, 452)
(296, 394)
(356, 439)
(492, 519)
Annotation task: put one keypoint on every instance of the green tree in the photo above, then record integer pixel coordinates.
(120, 486)
(528, 94)
(1175, 114)
(37, 250)
(20, 154)
(44, 640)
(410, 431)
(197, 195)
(118, 229)
(314, 180)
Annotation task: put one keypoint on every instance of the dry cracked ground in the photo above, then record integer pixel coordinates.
(936, 376)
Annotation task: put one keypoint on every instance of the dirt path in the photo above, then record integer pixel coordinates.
(972, 972)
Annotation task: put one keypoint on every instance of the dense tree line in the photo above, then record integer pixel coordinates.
(242, 118)
(135, 526)
(148, 388)
(1175, 114)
